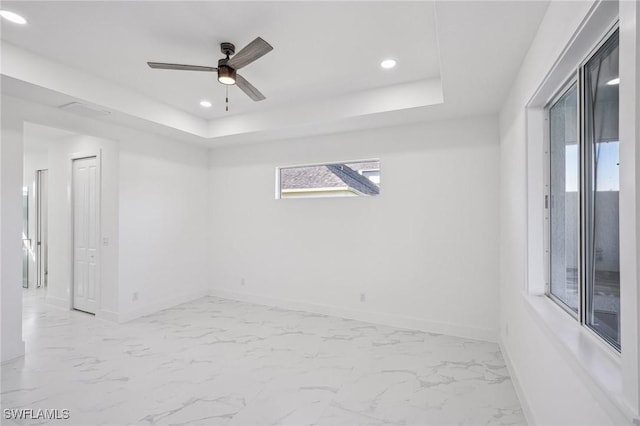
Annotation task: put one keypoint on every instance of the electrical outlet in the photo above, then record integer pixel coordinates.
(363, 297)
(105, 241)
(134, 296)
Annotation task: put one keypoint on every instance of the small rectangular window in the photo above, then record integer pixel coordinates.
(344, 179)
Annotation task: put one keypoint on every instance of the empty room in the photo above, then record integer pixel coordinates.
(320, 212)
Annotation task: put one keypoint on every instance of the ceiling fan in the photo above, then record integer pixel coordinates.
(227, 67)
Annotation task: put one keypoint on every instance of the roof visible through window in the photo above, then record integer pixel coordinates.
(347, 179)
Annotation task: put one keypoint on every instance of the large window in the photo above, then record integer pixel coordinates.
(582, 197)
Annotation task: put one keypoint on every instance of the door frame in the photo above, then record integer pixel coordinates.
(41, 275)
(26, 238)
(71, 158)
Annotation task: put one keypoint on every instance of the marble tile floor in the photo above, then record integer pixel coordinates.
(221, 362)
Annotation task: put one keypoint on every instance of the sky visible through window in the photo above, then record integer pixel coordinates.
(608, 167)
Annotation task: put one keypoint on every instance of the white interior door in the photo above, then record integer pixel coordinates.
(85, 234)
(42, 227)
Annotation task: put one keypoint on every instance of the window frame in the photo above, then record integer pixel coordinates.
(613, 377)
(278, 180)
(564, 89)
(576, 78)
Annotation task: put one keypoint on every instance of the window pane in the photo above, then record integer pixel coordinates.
(352, 179)
(564, 214)
(602, 233)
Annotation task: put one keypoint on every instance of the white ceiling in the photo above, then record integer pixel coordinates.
(324, 66)
(321, 49)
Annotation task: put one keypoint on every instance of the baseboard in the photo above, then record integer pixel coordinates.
(161, 305)
(393, 320)
(12, 350)
(59, 302)
(65, 304)
(522, 396)
(107, 315)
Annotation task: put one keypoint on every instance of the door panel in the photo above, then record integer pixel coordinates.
(85, 234)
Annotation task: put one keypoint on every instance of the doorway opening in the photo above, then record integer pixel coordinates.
(61, 230)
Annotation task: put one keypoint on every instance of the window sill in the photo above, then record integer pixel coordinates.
(597, 365)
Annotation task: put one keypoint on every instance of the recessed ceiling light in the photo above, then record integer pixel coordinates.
(13, 17)
(205, 104)
(388, 63)
(613, 82)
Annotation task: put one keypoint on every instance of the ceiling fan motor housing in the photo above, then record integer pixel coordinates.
(227, 48)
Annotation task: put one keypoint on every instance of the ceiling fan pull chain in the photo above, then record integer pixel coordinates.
(227, 98)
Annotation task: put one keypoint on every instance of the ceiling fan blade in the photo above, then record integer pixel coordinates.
(252, 51)
(180, 67)
(248, 88)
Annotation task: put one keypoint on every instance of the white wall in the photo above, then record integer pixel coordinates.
(12, 345)
(552, 387)
(163, 221)
(630, 198)
(424, 251)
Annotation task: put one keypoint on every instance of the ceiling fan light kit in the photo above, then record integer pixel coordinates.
(227, 67)
(226, 75)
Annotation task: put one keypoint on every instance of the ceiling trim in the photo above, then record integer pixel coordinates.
(29, 68)
(25, 66)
